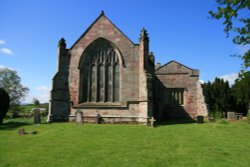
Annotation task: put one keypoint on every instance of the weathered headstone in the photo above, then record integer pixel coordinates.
(98, 119)
(200, 119)
(21, 131)
(37, 117)
(79, 119)
(231, 115)
(151, 122)
(238, 116)
(211, 119)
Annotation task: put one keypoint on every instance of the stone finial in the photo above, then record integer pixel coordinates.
(62, 43)
(144, 35)
(152, 57)
(157, 65)
(102, 12)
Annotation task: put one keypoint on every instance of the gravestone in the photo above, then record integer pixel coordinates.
(200, 119)
(238, 116)
(231, 115)
(151, 122)
(21, 131)
(79, 119)
(98, 119)
(37, 116)
(211, 119)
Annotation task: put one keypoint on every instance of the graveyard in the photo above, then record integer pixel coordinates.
(127, 84)
(221, 143)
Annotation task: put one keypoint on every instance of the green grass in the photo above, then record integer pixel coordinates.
(68, 144)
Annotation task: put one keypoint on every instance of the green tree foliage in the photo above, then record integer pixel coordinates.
(11, 82)
(35, 101)
(241, 92)
(4, 104)
(220, 97)
(217, 96)
(235, 16)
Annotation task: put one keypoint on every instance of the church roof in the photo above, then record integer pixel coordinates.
(175, 67)
(96, 20)
(172, 61)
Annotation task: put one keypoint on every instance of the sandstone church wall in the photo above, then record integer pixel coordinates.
(104, 74)
(128, 107)
(174, 76)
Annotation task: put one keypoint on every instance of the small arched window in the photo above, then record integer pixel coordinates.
(100, 73)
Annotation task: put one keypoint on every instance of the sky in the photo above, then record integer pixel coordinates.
(179, 30)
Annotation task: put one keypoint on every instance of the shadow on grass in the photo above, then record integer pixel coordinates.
(175, 121)
(13, 125)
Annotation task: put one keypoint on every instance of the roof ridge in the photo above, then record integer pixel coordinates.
(102, 14)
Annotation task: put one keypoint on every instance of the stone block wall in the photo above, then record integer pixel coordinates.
(176, 75)
(129, 76)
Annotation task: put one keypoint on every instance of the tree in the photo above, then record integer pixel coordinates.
(11, 83)
(241, 92)
(35, 101)
(217, 96)
(4, 104)
(235, 14)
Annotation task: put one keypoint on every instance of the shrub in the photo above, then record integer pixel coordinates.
(4, 105)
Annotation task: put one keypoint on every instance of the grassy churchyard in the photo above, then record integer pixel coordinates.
(173, 145)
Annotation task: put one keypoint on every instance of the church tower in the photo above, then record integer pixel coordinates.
(60, 100)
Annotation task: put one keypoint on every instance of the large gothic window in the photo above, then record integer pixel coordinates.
(175, 96)
(100, 73)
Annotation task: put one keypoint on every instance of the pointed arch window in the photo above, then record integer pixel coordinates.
(100, 73)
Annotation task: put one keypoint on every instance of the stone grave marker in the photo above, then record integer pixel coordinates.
(231, 115)
(151, 122)
(98, 119)
(200, 119)
(37, 116)
(79, 119)
(21, 131)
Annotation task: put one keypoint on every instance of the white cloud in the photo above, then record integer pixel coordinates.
(42, 93)
(2, 42)
(201, 81)
(3, 66)
(42, 88)
(230, 78)
(6, 51)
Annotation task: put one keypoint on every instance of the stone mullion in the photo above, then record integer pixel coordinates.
(104, 82)
(182, 96)
(96, 82)
(89, 84)
(112, 83)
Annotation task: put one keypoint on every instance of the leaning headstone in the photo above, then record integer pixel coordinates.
(79, 117)
(37, 117)
(231, 115)
(21, 131)
(200, 119)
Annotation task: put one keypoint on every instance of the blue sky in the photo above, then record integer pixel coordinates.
(179, 30)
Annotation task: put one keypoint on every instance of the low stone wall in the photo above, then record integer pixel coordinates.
(111, 120)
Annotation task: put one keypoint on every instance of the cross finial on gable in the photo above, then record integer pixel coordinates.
(144, 34)
(102, 12)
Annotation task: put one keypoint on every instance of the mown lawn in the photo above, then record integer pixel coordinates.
(176, 145)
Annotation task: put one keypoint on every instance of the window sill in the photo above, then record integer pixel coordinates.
(101, 105)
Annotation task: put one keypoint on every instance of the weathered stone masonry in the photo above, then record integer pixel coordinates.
(104, 73)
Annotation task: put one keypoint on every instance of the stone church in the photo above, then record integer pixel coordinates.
(107, 75)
